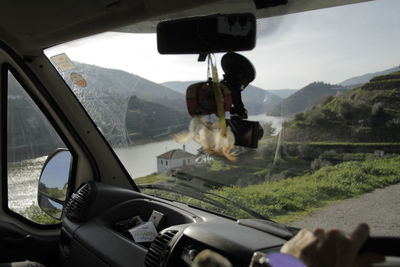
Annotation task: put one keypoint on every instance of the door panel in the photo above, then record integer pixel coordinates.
(17, 244)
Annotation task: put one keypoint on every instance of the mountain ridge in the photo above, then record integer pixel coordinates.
(305, 98)
(364, 78)
(368, 113)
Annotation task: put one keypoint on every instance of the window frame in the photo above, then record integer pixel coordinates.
(6, 68)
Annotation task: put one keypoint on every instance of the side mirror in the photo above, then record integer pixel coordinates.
(53, 183)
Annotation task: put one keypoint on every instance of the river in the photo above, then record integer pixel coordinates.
(141, 160)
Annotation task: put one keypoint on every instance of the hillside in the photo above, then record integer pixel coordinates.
(106, 100)
(34, 137)
(305, 98)
(283, 93)
(365, 114)
(123, 84)
(360, 80)
(259, 101)
(255, 99)
(146, 119)
(178, 86)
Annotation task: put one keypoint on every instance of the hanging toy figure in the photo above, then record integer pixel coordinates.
(215, 98)
(206, 98)
(208, 135)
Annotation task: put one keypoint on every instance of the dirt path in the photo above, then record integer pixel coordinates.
(380, 209)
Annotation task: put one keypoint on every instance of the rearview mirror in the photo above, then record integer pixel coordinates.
(53, 182)
(207, 34)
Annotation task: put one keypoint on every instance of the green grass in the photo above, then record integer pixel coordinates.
(289, 199)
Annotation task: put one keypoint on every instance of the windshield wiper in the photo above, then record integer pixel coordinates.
(265, 224)
(180, 174)
(191, 194)
(199, 194)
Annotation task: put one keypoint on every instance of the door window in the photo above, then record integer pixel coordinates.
(30, 139)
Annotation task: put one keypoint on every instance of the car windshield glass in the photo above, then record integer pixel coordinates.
(326, 95)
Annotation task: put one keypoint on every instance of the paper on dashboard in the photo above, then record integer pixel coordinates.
(145, 232)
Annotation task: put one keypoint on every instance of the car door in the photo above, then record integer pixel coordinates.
(28, 136)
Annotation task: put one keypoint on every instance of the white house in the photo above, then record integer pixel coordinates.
(174, 159)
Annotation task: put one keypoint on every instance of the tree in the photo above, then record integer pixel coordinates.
(329, 115)
(327, 99)
(378, 110)
(299, 117)
(316, 118)
(346, 110)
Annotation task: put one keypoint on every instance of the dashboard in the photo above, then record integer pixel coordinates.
(92, 234)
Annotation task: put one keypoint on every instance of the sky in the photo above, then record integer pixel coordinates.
(329, 45)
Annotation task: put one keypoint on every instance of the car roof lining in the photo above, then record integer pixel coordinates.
(48, 23)
(237, 6)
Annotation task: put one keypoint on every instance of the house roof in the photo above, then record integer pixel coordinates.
(175, 154)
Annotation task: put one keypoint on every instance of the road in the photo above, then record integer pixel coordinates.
(380, 209)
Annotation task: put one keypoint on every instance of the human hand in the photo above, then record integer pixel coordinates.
(332, 248)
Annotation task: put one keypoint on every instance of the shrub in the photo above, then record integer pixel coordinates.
(329, 115)
(318, 163)
(378, 110)
(331, 155)
(327, 99)
(316, 118)
(308, 152)
(346, 110)
(35, 214)
(299, 117)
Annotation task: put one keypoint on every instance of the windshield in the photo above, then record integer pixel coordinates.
(326, 95)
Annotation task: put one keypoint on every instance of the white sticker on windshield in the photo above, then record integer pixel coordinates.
(63, 62)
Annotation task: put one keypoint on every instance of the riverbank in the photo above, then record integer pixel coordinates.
(140, 159)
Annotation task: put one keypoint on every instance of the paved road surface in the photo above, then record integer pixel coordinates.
(380, 209)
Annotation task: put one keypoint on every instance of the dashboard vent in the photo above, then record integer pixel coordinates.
(76, 207)
(159, 250)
